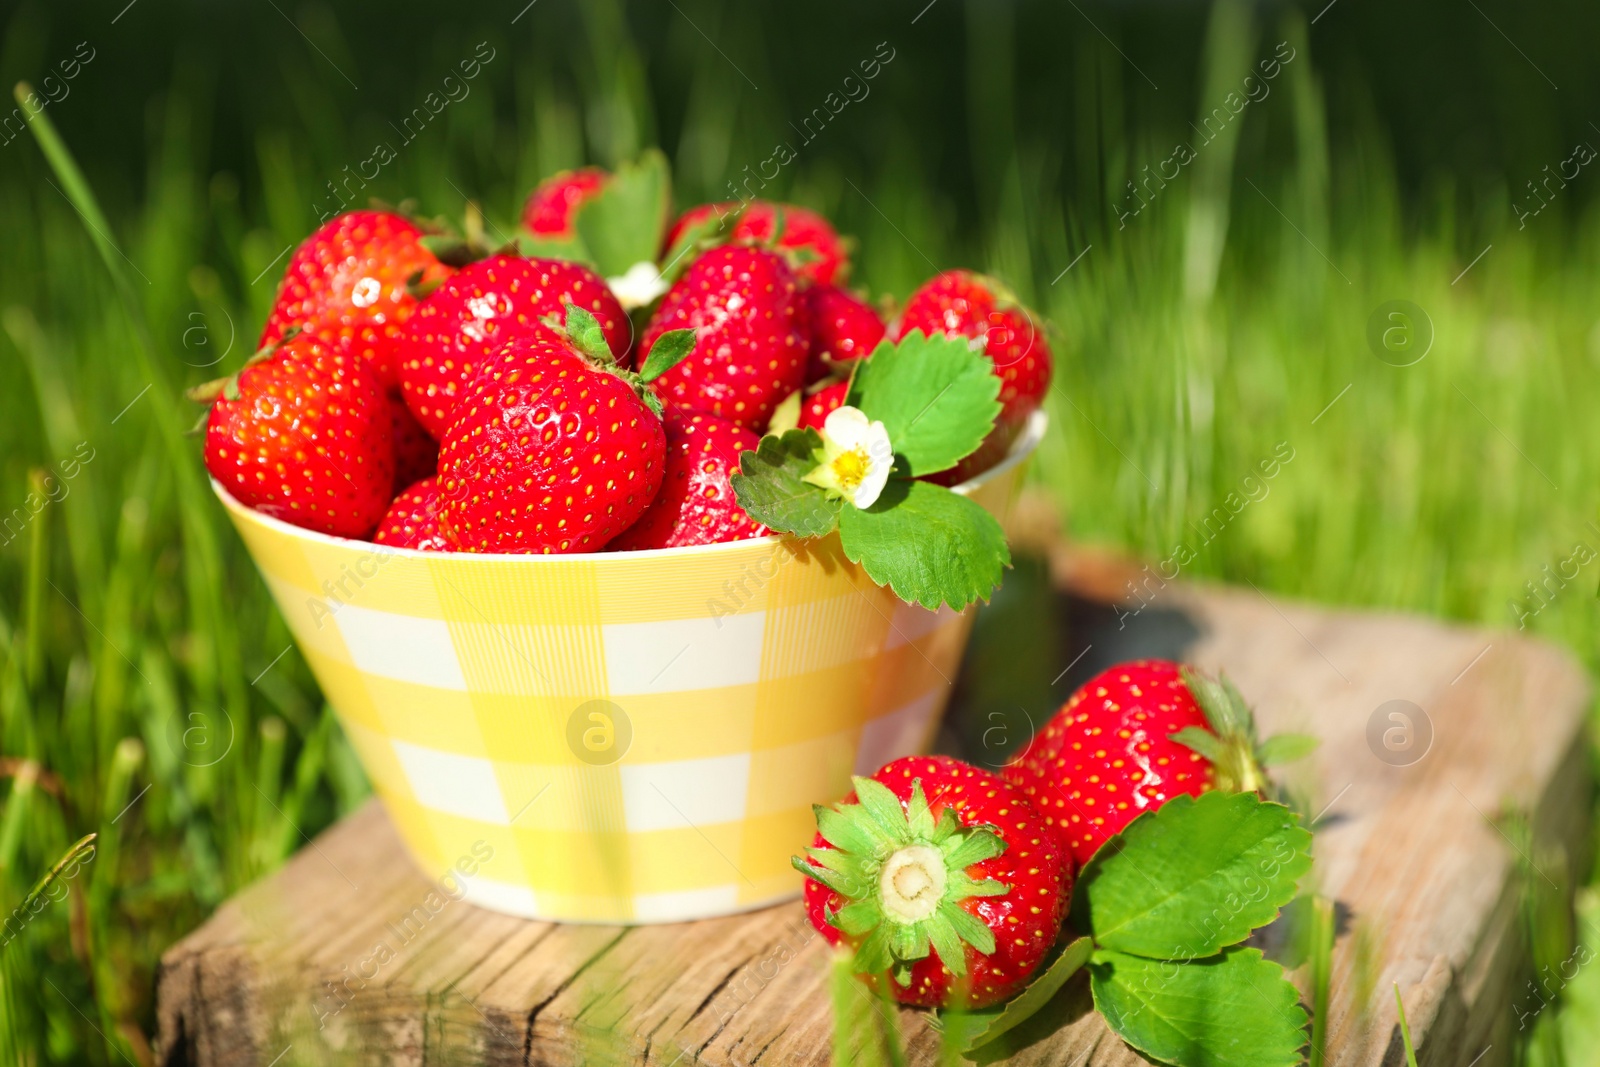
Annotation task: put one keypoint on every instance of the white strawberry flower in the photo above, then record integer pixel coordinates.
(856, 457)
(638, 285)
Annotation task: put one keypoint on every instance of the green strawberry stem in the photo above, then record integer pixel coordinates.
(903, 875)
(1238, 757)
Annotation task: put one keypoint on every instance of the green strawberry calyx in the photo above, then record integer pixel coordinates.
(1238, 756)
(227, 387)
(903, 874)
(669, 349)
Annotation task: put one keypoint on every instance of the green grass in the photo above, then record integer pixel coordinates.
(143, 696)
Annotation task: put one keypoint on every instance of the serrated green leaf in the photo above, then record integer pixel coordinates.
(1232, 1010)
(621, 224)
(967, 1030)
(769, 485)
(1192, 877)
(666, 352)
(929, 545)
(935, 396)
(1279, 749)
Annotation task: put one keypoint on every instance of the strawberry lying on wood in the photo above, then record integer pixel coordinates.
(1132, 738)
(942, 878)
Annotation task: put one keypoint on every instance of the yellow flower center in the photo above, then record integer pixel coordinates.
(851, 468)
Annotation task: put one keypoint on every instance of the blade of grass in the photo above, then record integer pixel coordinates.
(84, 846)
(1405, 1029)
(1322, 934)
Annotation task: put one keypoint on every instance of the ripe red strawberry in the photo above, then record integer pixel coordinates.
(960, 303)
(696, 505)
(1132, 738)
(416, 454)
(1108, 755)
(809, 241)
(412, 520)
(477, 310)
(750, 351)
(303, 435)
(815, 408)
(347, 286)
(553, 448)
(844, 329)
(552, 207)
(942, 875)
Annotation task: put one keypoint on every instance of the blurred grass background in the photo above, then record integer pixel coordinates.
(147, 688)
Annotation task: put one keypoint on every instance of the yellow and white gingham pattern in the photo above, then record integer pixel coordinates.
(739, 684)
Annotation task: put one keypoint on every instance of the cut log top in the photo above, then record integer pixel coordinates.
(350, 954)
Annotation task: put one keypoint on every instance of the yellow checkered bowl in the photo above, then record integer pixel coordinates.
(616, 737)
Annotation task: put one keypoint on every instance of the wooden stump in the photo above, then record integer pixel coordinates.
(349, 954)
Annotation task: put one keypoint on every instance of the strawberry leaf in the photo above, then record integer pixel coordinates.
(929, 545)
(935, 396)
(967, 1030)
(1232, 1010)
(667, 352)
(1192, 877)
(769, 486)
(621, 225)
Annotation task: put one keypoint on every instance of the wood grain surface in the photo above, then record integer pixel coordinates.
(350, 955)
